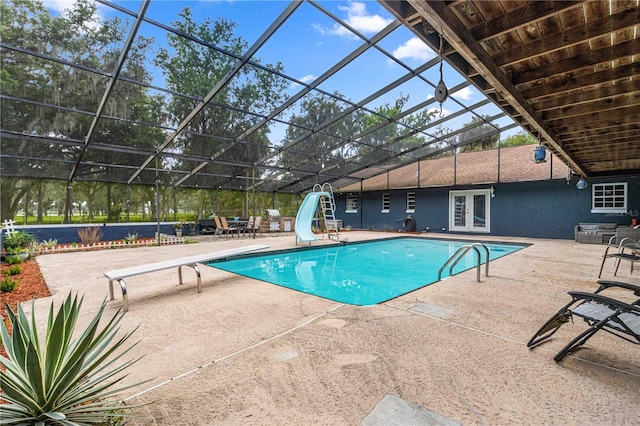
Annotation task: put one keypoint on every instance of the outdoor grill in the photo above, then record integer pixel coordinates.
(274, 219)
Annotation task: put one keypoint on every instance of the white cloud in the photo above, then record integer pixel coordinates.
(307, 78)
(358, 18)
(58, 5)
(414, 48)
(465, 93)
(61, 6)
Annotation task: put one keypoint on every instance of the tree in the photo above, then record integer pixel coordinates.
(66, 95)
(317, 150)
(474, 131)
(194, 69)
(380, 145)
(11, 192)
(520, 138)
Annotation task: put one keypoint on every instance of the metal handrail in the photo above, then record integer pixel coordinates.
(460, 253)
(486, 249)
(465, 247)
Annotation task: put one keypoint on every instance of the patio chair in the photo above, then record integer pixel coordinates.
(247, 225)
(599, 312)
(219, 229)
(254, 226)
(621, 245)
(228, 229)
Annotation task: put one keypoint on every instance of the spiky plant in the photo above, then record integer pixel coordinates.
(68, 381)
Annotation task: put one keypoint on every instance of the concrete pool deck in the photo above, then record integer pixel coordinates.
(248, 352)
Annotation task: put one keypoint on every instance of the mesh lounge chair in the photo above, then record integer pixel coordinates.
(600, 312)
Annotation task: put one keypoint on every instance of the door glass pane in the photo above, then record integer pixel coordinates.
(460, 217)
(479, 211)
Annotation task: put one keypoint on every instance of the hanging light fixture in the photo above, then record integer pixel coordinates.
(540, 153)
(441, 89)
(582, 184)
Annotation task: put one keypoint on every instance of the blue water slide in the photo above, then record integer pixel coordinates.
(306, 213)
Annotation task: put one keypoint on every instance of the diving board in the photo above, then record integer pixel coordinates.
(192, 261)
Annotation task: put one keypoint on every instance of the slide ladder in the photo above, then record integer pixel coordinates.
(320, 199)
(328, 208)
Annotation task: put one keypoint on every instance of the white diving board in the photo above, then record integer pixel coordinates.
(192, 261)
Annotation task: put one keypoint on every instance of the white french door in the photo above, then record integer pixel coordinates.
(469, 210)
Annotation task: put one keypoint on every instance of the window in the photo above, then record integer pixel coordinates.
(609, 198)
(411, 202)
(386, 202)
(352, 204)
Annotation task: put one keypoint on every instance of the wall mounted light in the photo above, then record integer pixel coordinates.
(492, 192)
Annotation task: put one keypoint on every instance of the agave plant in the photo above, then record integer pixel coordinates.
(131, 238)
(66, 381)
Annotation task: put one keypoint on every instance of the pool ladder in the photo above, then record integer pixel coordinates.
(460, 253)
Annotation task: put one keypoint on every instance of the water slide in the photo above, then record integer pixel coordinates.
(305, 216)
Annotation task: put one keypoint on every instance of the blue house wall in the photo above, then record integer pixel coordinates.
(540, 209)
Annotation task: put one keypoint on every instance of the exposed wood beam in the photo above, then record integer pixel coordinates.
(576, 83)
(570, 65)
(628, 131)
(571, 37)
(608, 122)
(586, 95)
(526, 15)
(616, 106)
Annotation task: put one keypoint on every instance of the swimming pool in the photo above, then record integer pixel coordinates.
(362, 273)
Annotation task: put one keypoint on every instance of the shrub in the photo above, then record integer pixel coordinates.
(62, 380)
(8, 284)
(13, 270)
(131, 238)
(13, 259)
(34, 248)
(90, 234)
(50, 243)
(17, 241)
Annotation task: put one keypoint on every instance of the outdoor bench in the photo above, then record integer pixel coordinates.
(594, 233)
(207, 226)
(192, 261)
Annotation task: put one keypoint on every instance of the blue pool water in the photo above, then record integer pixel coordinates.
(360, 273)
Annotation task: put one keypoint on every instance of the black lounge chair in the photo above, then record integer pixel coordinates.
(600, 312)
(621, 246)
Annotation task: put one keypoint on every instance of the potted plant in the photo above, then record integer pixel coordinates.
(192, 227)
(178, 228)
(17, 244)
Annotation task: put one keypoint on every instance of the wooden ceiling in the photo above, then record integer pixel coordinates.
(568, 71)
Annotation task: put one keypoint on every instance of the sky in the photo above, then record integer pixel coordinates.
(311, 42)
